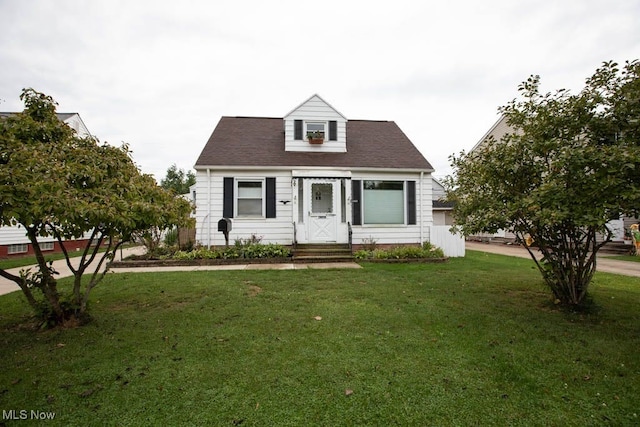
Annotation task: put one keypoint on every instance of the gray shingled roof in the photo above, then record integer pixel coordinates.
(256, 141)
(61, 116)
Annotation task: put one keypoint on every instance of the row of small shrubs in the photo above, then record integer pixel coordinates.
(248, 251)
(427, 250)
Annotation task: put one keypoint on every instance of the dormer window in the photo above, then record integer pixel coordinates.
(317, 130)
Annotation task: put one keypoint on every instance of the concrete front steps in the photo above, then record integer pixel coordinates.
(617, 248)
(325, 252)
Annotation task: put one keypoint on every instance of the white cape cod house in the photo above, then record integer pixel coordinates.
(312, 177)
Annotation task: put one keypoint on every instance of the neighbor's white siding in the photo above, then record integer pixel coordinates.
(16, 234)
(76, 123)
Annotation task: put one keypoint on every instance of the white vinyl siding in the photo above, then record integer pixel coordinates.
(315, 110)
(209, 187)
(209, 203)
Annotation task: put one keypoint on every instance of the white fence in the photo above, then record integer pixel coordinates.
(451, 244)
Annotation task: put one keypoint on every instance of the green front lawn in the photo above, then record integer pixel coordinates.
(27, 260)
(632, 258)
(474, 341)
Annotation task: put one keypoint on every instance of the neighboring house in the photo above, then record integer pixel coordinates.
(442, 209)
(13, 239)
(360, 179)
(72, 120)
(498, 131)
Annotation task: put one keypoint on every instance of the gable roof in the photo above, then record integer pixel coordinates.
(498, 130)
(321, 100)
(61, 116)
(72, 119)
(257, 141)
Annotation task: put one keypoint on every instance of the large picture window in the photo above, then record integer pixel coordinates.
(383, 202)
(250, 197)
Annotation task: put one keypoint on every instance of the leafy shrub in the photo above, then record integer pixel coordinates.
(434, 250)
(427, 250)
(238, 251)
(369, 243)
(171, 237)
(252, 240)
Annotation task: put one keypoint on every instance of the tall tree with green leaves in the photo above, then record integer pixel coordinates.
(569, 165)
(56, 184)
(177, 180)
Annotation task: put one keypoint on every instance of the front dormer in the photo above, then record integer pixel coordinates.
(315, 126)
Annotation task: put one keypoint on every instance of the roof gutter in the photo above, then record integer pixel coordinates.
(298, 167)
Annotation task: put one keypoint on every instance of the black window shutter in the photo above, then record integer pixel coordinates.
(411, 202)
(227, 196)
(297, 129)
(333, 130)
(271, 198)
(356, 202)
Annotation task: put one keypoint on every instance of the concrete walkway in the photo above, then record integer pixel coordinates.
(607, 265)
(603, 263)
(61, 267)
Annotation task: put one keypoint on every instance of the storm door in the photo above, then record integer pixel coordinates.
(323, 205)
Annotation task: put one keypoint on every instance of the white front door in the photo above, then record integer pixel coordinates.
(323, 206)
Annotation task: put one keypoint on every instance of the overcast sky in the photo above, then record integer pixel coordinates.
(159, 74)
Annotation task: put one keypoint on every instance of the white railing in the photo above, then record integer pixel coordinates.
(451, 244)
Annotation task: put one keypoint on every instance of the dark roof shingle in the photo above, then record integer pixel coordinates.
(256, 141)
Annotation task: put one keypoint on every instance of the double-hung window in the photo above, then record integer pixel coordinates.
(250, 198)
(327, 130)
(316, 129)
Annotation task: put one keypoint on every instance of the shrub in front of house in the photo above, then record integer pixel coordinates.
(246, 251)
(426, 251)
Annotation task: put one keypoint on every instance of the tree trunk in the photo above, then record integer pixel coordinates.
(568, 261)
(48, 284)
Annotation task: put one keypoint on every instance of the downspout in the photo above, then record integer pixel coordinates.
(209, 208)
(421, 208)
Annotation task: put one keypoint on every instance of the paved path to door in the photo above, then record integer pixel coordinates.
(61, 267)
(603, 263)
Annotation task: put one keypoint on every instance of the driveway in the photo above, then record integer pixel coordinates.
(603, 263)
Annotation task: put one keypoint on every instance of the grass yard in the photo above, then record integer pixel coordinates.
(471, 342)
(632, 258)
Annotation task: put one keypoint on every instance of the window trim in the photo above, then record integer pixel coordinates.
(47, 246)
(404, 204)
(18, 248)
(237, 197)
(325, 126)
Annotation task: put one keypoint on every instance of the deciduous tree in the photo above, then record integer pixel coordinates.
(570, 164)
(177, 180)
(56, 184)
